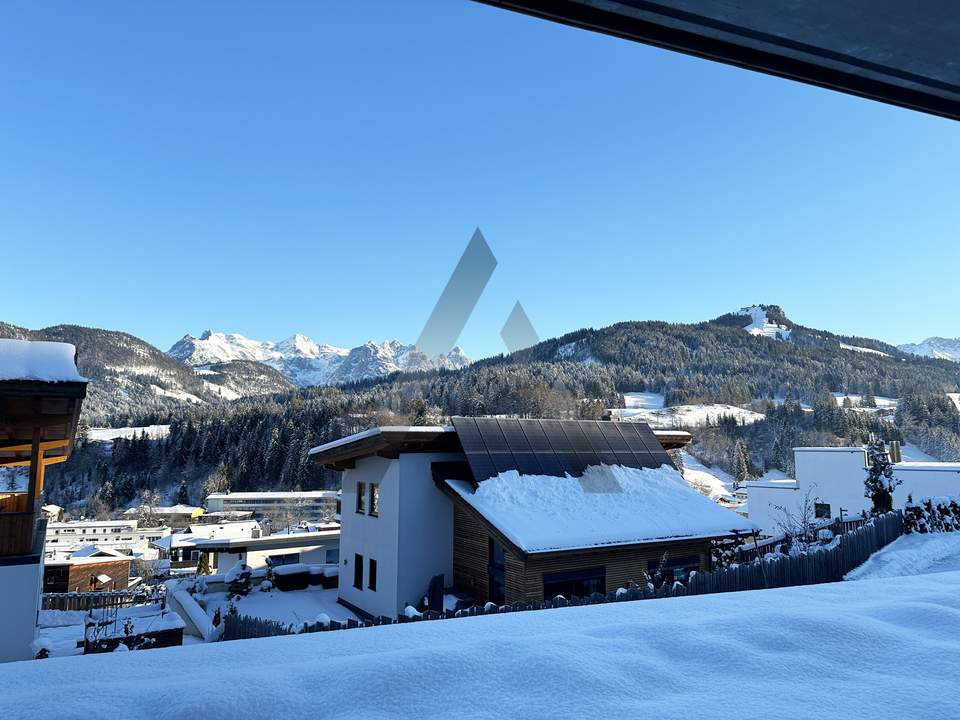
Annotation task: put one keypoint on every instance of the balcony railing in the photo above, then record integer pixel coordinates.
(22, 531)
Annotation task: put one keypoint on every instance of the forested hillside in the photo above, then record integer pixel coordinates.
(261, 442)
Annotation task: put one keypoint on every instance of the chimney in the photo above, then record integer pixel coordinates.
(896, 455)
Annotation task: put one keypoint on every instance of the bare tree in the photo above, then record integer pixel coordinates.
(799, 525)
(147, 509)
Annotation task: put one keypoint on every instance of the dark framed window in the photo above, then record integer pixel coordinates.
(333, 556)
(287, 559)
(675, 568)
(575, 583)
(496, 572)
(372, 575)
(361, 498)
(358, 571)
(821, 510)
(374, 499)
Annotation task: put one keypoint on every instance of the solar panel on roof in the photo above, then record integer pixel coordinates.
(555, 447)
(496, 444)
(541, 448)
(527, 463)
(473, 446)
(601, 448)
(568, 459)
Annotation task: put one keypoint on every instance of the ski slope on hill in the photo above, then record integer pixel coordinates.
(795, 653)
(648, 407)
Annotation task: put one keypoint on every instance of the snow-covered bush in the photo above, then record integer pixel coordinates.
(931, 515)
(880, 482)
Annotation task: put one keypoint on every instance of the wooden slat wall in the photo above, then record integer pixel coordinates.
(525, 578)
(623, 566)
(470, 550)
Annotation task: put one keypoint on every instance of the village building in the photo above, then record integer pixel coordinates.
(41, 394)
(294, 505)
(124, 535)
(180, 549)
(90, 569)
(829, 481)
(506, 510)
(308, 546)
(176, 517)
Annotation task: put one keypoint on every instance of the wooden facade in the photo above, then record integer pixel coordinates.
(524, 573)
(62, 577)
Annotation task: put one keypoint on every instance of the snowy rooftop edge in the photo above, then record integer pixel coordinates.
(546, 514)
(39, 361)
(373, 432)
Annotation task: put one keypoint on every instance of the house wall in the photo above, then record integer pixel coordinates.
(19, 604)
(78, 576)
(835, 476)
(311, 555)
(425, 529)
(524, 578)
(371, 537)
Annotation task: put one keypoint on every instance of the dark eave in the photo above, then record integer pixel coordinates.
(387, 442)
(894, 52)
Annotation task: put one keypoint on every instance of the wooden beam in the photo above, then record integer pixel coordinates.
(20, 462)
(36, 461)
(17, 446)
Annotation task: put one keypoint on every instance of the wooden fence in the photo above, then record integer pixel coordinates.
(87, 601)
(819, 565)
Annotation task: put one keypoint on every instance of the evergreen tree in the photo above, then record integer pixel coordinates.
(880, 481)
(183, 493)
(742, 461)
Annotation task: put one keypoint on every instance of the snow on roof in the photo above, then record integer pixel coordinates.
(940, 466)
(38, 360)
(178, 509)
(609, 505)
(96, 551)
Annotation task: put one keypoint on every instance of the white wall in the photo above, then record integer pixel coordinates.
(19, 603)
(426, 528)
(411, 540)
(926, 480)
(371, 537)
(311, 555)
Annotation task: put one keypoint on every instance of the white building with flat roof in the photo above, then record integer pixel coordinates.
(301, 505)
(833, 478)
(115, 534)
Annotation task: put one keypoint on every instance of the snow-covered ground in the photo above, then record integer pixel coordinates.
(955, 398)
(715, 481)
(912, 555)
(875, 649)
(648, 408)
(293, 607)
(858, 348)
(154, 432)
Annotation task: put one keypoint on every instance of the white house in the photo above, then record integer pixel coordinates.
(309, 546)
(833, 478)
(116, 534)
(180, 548)
(301, 505)
(398, 520)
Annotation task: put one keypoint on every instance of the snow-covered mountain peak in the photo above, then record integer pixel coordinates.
(935, 347)
(306, 362)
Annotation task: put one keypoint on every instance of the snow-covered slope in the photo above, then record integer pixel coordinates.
(935, 347)
(789, 653)
(762, 326)
(305, 362)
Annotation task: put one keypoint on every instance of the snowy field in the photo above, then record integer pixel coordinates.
(874, 649)
(716, 481)
(648, 408)
(154, 432)
(912, 555)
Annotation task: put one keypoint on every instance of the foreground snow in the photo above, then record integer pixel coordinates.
(293, 607)
(794, 652)
(912, 555)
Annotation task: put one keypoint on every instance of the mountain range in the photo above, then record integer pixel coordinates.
(935, 347)
(306, 363)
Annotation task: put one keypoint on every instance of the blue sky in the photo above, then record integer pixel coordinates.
(319, 167)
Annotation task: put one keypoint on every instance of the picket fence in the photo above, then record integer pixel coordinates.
(819, 565)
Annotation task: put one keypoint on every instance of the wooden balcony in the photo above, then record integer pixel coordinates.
(21, 533)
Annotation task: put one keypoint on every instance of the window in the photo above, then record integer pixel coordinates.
(372, 575)
(575, 583)
(194, 555)
(286, 559)
(821, 510)
(358, 571)
(333, 556)
(361, 497)
(374, 499)
(496, 574)
(674, 569)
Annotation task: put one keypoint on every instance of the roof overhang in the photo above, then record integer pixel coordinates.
(391, 441)
(45, 411)
(894, 52)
